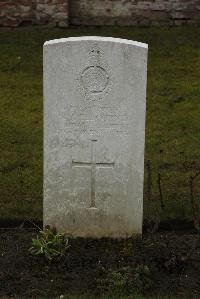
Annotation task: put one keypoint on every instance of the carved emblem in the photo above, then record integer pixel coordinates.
(94, 79)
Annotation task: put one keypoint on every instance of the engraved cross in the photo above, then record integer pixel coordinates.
(93, 165)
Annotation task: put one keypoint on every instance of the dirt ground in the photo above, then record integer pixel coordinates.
(172, 257)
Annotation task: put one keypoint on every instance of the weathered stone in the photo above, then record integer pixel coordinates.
(94, 128)
(100, 12)
(60, 16)
(135, 13)
(38, 12)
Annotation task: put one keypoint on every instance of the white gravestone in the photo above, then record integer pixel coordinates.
(94, 133)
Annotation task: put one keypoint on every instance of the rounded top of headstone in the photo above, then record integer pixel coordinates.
(96, 39)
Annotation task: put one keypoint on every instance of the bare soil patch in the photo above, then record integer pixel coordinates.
(172, 257)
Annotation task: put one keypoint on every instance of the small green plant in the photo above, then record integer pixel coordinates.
(126, 280)
(142, 278)
(50, 244)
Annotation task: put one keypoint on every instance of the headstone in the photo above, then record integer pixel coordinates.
(94, 132)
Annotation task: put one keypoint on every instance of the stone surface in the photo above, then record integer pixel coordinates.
(15, 13)
(94, 131)
(134, 12)
(99, 12)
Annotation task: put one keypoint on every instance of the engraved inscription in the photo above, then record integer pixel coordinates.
(95, 120)
(93, 165)
(94, 79)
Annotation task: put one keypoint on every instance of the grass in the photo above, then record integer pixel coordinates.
(172, 126)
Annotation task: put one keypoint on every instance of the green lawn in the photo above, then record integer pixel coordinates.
(172, 127)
